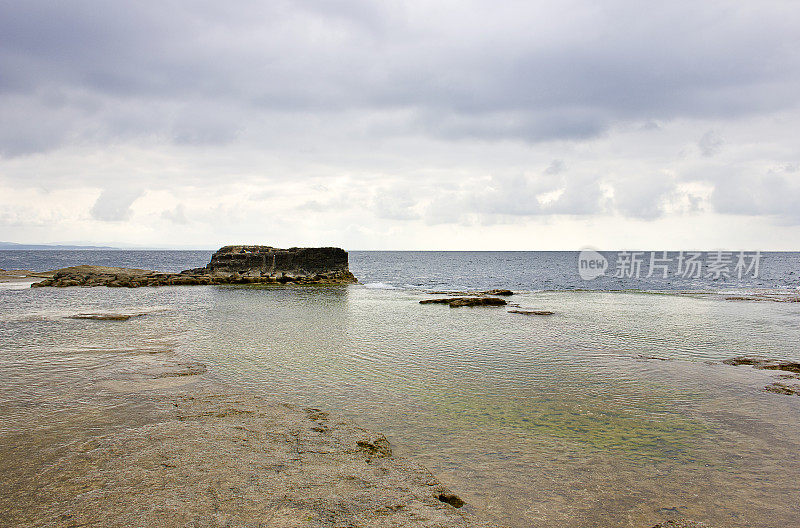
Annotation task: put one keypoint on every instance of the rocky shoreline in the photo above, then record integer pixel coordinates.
(229, 265)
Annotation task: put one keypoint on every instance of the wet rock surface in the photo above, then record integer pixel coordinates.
(455, 302)
(236, 460)
(229, 265)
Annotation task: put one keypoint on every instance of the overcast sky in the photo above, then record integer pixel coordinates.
(401, 125)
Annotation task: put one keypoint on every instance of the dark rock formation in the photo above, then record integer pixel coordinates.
(532, 312)
(229, 265)
(269, 261)
(455, 302)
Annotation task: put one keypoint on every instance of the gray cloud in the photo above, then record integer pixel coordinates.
(87, 70)
(644, 197)
(710, 144)
(775, 194)
(114, 205)
(177, 215)
(556, 166)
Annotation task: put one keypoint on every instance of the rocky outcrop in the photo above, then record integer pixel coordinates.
(456, 302)
(266, 261)
(229, 265)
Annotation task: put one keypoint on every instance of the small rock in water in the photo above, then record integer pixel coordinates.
(451, 498)
(652, 358)
(744, 298)
(455, 302)
(680, 523)
(101, 316)
(532, 312)
(504, 293)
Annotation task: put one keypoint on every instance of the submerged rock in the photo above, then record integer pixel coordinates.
(532, 312)
(229, 265)
(680, 523)
(783, 388)
(187, 368)
(793, 367)
(101, 316)
(455, 302)
(765, 363)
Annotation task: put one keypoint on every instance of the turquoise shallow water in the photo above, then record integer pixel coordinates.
(538, 421)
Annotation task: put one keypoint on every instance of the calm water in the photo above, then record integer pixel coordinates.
(538, 421)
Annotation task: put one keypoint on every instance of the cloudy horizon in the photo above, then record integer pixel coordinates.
(401, 125)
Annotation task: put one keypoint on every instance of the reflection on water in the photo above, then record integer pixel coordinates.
(543, 421)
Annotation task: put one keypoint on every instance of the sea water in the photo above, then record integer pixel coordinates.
(614, 411)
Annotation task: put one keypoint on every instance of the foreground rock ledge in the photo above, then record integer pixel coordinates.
(229, 265)
(228, 460)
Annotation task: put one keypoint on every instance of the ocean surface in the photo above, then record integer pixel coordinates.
(614, 412)
(454, 270)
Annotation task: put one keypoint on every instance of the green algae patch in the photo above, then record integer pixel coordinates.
(655, 434)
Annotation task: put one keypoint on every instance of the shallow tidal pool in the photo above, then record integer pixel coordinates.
(615, 411)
